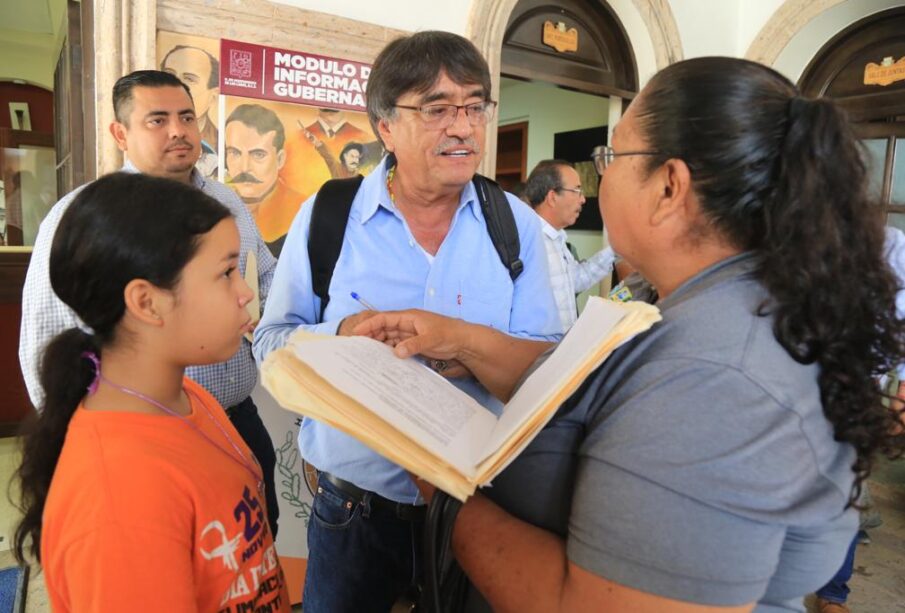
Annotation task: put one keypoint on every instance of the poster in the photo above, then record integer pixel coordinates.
(278, 123)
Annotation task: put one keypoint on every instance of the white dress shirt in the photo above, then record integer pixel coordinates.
(568, 276)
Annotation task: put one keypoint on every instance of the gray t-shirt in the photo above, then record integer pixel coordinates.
(696, 463)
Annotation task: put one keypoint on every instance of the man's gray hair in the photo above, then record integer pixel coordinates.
(414, 63)
(545, 176)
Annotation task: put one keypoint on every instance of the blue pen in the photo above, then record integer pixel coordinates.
(363, 302)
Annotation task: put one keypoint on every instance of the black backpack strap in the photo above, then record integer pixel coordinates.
(326, 232)
(500, 223)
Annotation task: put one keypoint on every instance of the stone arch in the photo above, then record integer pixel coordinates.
(803, 27)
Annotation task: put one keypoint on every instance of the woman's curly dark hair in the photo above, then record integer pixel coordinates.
(784, 177)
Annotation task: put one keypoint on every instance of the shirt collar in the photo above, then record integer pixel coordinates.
(550, 231)
(741, 264)
(468, 197)
(197, 179)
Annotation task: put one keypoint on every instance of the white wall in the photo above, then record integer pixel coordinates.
(720, 27)
(706, 27)
(452, 16)
(638, 36)
(753, 15)
(411, 15)
(549, 110)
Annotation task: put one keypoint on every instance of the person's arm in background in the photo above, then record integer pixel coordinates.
(587, 272)
(43, 314)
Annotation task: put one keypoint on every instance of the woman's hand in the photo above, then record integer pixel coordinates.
(427, 489)
(416, 332)
(455, 347)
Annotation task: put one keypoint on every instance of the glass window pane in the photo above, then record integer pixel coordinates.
(29, 191)
(897, 195)
(876, 162)
(896, 220)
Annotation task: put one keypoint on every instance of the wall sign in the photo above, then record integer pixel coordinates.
(884, 73)
(559, 37)
(268, 73)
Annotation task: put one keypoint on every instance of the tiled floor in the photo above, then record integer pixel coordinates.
(878, 585)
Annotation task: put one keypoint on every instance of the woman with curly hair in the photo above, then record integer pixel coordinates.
(709, 464)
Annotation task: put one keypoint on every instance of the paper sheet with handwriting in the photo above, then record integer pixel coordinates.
(595, 324)
(421, 403)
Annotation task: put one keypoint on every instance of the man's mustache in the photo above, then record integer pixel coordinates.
(179, 142)
(245, 177)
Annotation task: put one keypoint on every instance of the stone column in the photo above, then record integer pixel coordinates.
(124, 40)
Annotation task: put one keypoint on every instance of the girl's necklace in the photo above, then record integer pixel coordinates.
(239, 457)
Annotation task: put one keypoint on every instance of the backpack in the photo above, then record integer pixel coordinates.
(331, 213)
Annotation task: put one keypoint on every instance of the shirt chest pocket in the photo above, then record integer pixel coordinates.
(484, 302)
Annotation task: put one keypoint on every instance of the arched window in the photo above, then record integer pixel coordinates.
(863, 68)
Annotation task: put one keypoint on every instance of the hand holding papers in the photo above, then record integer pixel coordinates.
(414, 417)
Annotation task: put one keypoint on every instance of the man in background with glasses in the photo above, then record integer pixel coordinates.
(554, 191)
(415, 237)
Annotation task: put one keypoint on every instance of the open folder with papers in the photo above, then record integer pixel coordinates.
(411, 415)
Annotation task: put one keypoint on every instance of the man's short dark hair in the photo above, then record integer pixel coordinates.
(122, 89)
(213, 79)
(414, 63)
(262, 119)
(545, 176)
(349, 147)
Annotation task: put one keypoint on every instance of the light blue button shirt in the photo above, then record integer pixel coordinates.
(382, 262)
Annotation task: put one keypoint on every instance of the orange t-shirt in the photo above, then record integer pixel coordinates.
(145, 514)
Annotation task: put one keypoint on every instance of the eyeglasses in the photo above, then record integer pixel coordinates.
(604, 155)
(574, 190)
(441, 116)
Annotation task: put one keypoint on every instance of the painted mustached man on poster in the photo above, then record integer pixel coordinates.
(255, 155)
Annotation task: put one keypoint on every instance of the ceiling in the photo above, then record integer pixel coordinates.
(31, 36)
(32, 16)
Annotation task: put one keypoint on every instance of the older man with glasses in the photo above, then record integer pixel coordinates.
(416, 237)
(554, 191)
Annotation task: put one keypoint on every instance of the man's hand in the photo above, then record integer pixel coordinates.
(347, 326)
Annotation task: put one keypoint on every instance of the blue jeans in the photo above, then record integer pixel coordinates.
(361, 557)
(837, 589)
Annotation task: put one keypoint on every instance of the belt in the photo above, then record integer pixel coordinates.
(407, 512)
